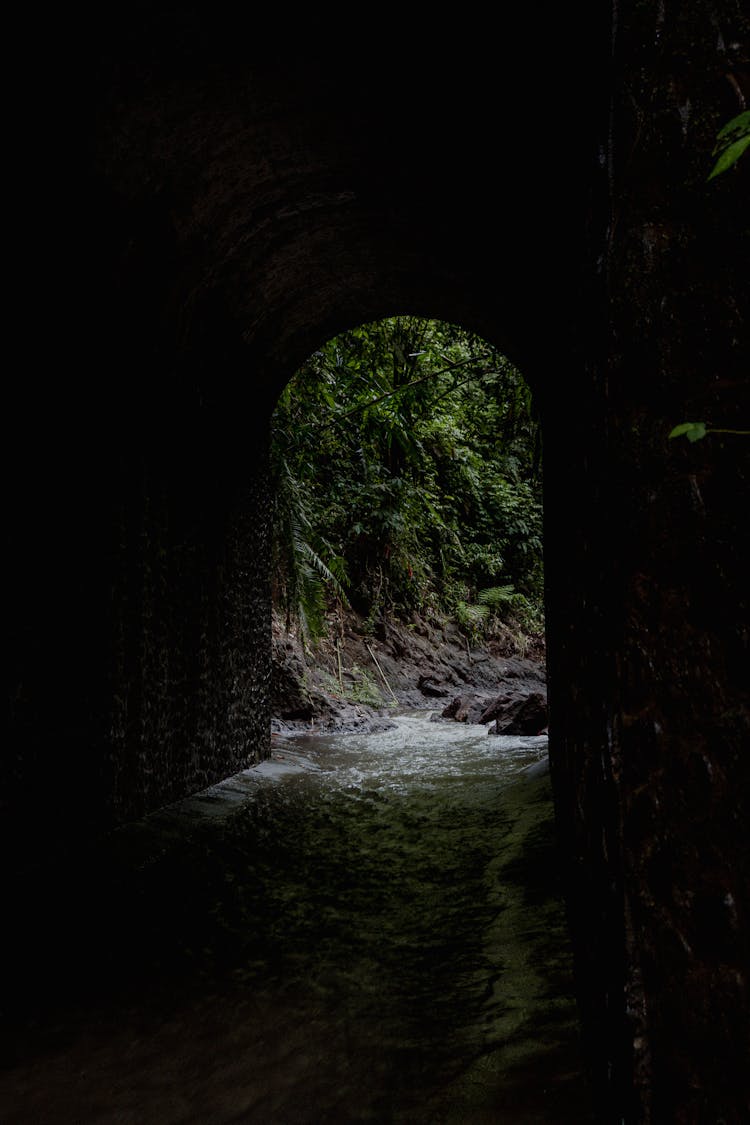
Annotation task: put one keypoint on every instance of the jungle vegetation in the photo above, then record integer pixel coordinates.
(406, 457)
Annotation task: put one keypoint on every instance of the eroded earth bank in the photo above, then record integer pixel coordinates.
(357, 676)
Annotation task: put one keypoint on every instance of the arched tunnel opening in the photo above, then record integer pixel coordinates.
(219, 208)
(370, 924)
(406, 467)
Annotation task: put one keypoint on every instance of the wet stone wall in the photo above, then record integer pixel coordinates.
(191, 633)
(648, 625)
(141, 626)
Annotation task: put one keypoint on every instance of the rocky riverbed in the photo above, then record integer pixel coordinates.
(356, 677)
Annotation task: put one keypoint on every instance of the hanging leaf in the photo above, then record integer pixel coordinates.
(738, 126)
(693, 431)
(730, 156)
(731, 142)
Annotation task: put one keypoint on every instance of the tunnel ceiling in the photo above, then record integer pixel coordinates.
(277, 197)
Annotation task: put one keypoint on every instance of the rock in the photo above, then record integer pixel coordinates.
(523, 716)
(289, 697)
(524, 670)
(465, 708)
(427, 686)
(420, 663)
(536, 769)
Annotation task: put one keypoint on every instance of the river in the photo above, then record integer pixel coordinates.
(366, 928)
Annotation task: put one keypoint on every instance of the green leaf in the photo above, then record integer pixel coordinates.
(730, 156)
(693, 431)
(738, 126)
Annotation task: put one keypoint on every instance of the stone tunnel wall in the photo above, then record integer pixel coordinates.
(190, 618)
(140, 628)
(648, 619)
(137, 516)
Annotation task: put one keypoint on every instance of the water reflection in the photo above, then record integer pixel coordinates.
(367, 928)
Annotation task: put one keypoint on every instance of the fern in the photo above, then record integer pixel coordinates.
(470, 617)
(364, 689)
(503, 600)
(302, 571)
(498, 597)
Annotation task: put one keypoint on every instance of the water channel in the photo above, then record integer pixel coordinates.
(366, 928)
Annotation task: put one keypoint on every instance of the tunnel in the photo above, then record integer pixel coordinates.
(202, 201)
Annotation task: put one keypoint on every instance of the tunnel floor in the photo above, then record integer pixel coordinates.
(365, 928)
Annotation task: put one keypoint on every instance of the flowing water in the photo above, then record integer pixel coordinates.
(366, 928)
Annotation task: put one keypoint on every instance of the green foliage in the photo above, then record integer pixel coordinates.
(731, 142)
(364, 689)
(693, 431)
(299, 571)
(471, 618)
(510, 605)
(358, 687)
(498, 597)
(407, 452)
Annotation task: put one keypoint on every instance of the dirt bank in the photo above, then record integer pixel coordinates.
(356, 676)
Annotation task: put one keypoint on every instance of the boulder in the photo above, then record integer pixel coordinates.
(465, 708)
(527, 715)
(428, 686)
(290, 699)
